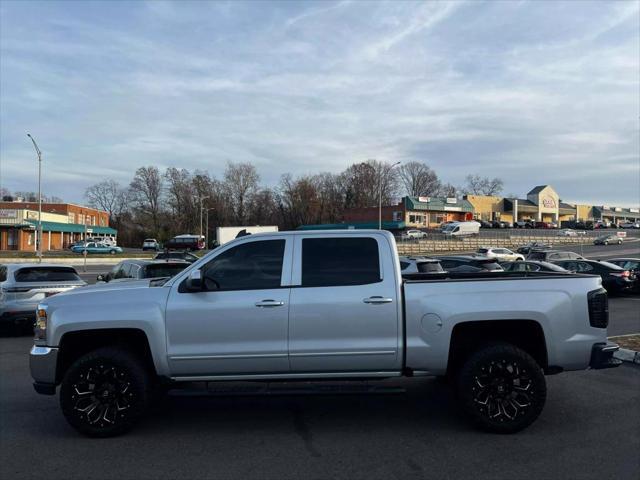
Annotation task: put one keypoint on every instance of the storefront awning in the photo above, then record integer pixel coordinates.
(73, 228)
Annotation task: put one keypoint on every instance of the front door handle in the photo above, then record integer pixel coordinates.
(377, 300)
(269, 303)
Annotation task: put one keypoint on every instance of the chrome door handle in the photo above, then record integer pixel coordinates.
(377, 300)
(269, 303)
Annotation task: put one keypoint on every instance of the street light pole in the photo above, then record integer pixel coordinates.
(380, 194)
(39, 230)
(201, 199)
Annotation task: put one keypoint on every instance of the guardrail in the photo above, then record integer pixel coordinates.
(442, 244)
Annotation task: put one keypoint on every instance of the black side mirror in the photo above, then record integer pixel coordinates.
(102, 278)
(194, 281)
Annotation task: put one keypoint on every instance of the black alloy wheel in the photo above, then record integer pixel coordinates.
(105, 392)
(502, 388)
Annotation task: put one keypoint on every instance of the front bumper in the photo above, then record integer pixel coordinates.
(43, 362)
(602, 356)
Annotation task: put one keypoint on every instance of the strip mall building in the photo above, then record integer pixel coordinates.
(541, 204)
(62, 225)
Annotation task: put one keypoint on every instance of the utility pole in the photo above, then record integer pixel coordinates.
(380, 194)
(39, 230)
(206, 232)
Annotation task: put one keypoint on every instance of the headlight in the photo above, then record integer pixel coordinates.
(41, 322)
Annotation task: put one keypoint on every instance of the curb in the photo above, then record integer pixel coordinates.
(630, 356)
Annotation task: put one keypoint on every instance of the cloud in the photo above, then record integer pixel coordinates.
(534, 92)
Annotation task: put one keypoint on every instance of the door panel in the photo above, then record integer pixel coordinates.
(237, 327)
(334, 328)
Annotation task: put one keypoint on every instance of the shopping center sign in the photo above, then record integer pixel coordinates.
(548, 202)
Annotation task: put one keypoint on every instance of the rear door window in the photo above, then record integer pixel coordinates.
(340, 261)
(46, 274)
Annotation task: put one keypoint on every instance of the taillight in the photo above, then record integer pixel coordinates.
(624, 274)
(598, 308)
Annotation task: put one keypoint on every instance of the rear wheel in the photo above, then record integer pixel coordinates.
(105, 392)
(501, 388)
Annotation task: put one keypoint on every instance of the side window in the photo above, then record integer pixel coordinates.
(250, 266)
(584, 267)
(3, 274)
(403, 265)
(532, 267)
(571, 266)
(132, 271)
(447, 264)
(121, 272)
(519, 267)
(340, 261)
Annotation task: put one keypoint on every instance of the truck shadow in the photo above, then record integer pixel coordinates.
(400, 405)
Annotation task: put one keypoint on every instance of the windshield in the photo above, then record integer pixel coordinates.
(46, 274)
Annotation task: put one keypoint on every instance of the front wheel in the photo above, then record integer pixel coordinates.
(501, 388)
(112, 252)
(105, 392)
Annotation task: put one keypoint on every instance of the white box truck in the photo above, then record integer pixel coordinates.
(461, 229)
(226, 234)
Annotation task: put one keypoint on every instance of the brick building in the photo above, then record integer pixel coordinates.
(62, 225)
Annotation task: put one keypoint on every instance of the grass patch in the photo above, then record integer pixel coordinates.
(630, 342)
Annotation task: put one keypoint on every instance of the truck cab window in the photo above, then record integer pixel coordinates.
(250, 266)
(339, 261)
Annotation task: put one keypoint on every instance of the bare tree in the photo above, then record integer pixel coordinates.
(447, 190)
(419, 179)
(104, 196)
(363, 182)
(146, 194)
(240, 182)
(477, 185)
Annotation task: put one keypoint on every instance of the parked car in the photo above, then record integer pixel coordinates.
(469, 264)
(552, 255)
(500, 254)
(484, 224)
(614, 278)
(24, 285)
(602, 224)
(462, 229)
(607, 239)
(186, 242)
(141, 269)
(104, 240)
(532, 266)
(505, 224)
(545, 225)
(524, 224)
(420, 265)
(630, 225)
(238, 314)
(631, 264)
(566, 232)
(414, 234)
(150, 244)
(92, 247)
(177, 255)
(529, 247)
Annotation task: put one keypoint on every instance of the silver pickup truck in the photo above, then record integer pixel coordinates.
(317, 306)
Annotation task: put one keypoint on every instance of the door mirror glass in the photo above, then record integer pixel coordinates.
(102, 277)
(194, 281)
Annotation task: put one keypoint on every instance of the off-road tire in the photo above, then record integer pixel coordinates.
(501, 388)
(105, 392)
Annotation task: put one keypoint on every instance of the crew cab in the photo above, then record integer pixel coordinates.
(317, 306)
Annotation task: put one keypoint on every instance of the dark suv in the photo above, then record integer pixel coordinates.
(552, 255)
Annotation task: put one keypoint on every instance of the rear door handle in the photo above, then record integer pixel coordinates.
(377, 300)
(269, 303)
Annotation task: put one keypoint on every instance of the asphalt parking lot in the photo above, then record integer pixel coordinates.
(590, 428)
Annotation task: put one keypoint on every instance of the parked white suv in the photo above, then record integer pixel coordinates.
(501, 254)
(415, 234)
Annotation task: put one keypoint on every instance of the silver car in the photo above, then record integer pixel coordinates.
(24, 285)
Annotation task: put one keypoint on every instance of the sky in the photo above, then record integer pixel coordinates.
(534, 92)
